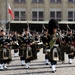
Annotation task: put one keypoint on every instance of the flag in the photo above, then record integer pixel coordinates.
(10, 12)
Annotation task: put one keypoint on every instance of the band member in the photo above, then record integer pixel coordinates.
(38, 44)
(21, 48)
(60, 41)
(70, 50)
(74, 39)
(45, 39)
(28, 51)
(5, 52)
(53, 55)
(15, 44)
(62, 50)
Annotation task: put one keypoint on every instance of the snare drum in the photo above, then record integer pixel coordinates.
(39, 45)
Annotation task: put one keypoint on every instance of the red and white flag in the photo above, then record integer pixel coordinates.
(10, 12)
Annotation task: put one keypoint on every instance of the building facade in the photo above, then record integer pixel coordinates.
(37, 10)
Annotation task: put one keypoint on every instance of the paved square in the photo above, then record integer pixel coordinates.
(38, 67)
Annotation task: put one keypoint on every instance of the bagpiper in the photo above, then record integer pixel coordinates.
(70, 49)
(38, 43)
(5, 52)
(30, 52)
(15, 44)
(54, 53)
(22, 47)
(45, 38)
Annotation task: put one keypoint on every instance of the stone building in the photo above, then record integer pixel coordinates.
(37, 10)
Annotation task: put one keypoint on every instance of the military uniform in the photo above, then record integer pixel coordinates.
(22, 47)
(15, 44)
(45, 39)
(74, 39)
(62, 50)
(69, 46)
(37, 41)
(5, 52)
(30, 51)
(54, 54)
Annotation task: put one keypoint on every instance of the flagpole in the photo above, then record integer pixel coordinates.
(6, 16)
(9, 23)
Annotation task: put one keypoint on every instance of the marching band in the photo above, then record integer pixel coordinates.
(27, 46)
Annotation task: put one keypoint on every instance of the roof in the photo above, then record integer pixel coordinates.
(43, 22)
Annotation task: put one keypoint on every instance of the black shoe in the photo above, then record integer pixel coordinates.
(1, 69)
(5, 68)
(46, 63)
(50, 66)
(53, 71)
(70, 63)
(23, 65)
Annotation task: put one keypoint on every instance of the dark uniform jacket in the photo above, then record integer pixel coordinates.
(46, 39)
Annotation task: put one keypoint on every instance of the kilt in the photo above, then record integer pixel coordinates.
(5, 54)
(28, 52)
(70, 49)
(54, 54)
(22, 49)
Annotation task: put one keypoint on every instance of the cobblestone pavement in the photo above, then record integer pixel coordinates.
(38, 67)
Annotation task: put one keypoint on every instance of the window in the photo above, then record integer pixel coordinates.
(70, 15)
(16, 1)
(40, 16)
(23, 16)
(52, 1)
(37, 15)
(22, 1)
(52, 14)
(19, 1)
(34, 16)
(55, 15)
(55, 1)
(58, 1)
(20, 15)
(16, 14)
(71, 1)
(37, 1)
(58, 15)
